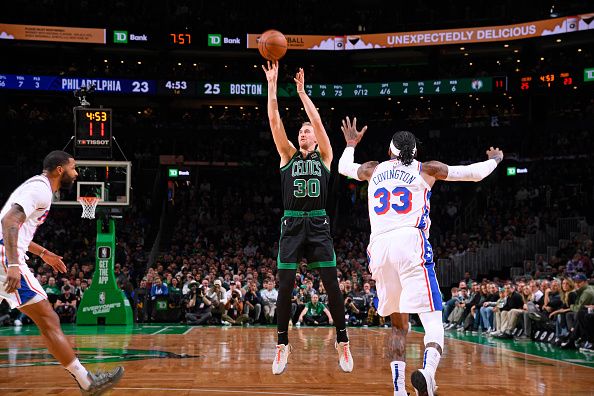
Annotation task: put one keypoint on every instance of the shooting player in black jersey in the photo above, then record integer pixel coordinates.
(305, 227)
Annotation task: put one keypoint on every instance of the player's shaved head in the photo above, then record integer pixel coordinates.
(54, 159)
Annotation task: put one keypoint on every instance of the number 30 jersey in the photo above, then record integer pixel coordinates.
(304, 182)
(398, 197)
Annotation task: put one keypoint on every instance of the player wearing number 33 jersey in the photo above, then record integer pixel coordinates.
(399, 253)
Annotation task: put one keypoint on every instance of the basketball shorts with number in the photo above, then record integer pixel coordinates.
(401, 263)
(29, 291)
(308, 238)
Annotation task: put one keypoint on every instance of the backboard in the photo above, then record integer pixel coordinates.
(108, 180)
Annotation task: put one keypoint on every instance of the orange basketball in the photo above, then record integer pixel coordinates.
(272, 45)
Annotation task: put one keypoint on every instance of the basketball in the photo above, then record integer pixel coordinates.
(272, 45)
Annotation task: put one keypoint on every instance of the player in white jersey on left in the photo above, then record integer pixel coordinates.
(26, 209)
(400, 255)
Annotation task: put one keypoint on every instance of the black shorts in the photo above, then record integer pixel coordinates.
(304, 235)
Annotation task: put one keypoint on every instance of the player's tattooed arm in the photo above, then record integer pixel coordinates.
(283, 145)
(11, 223)
(435, 169)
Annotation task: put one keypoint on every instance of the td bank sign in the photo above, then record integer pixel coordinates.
(122, 37)
(218, 40)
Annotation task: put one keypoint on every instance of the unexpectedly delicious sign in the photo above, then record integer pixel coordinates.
(547, 27)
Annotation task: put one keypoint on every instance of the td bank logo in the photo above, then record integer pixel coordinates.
(214, 40)
(120, 36)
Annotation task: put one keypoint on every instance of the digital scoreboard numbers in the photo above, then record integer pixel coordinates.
(547, 81)
(181, 39)
(203, 89)
(92, 128)
(177, 87)
(233, 89)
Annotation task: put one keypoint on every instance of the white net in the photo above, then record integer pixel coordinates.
(89, 204)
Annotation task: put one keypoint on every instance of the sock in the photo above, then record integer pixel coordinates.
(431, 360)
(79, 373)
(283, 304)
(336, 302)
(341, 335)
(398, 376)
(283, 337)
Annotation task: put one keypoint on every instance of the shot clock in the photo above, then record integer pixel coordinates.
(92, 131)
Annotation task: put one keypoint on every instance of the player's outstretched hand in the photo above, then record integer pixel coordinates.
(495, 153)
(300, 80)
(271, 70)
(54, 261)
(351, 134)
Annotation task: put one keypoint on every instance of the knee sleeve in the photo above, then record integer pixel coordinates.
(433, 327)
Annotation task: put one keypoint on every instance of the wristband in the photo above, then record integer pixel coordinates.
(42, 253)
(13, 265)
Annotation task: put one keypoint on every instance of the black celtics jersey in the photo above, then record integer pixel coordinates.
(305, 182)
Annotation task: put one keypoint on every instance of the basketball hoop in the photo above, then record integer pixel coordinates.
(89, 204)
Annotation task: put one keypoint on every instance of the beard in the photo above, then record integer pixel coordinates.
(66, 183)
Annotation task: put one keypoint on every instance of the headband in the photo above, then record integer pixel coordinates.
(396, 152)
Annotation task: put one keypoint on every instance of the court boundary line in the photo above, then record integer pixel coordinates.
(188, 331)
(223, 390)
(158, 331)
(518, 352)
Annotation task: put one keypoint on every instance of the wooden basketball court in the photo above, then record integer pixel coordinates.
(182, 360)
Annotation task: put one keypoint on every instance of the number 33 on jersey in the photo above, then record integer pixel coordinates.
(398, 197)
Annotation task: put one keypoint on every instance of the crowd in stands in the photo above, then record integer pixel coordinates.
(559, 311)
(217, 265)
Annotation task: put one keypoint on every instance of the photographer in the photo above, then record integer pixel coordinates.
(198, 306)
(252, 306)
(233, 310)
(216, 294)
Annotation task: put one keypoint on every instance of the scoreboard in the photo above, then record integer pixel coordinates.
(547, 81)
(92, 127)
(92, 132)
(205, 89)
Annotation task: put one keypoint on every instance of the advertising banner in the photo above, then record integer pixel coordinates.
(52, 33)
(305, 42)
(103, 302)
(519, 31)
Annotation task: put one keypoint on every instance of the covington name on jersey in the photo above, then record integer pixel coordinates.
(394, 174)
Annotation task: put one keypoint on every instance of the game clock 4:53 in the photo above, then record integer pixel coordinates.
(92, 127)
(177, 87)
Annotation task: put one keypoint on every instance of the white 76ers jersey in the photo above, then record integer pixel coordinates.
(35, 197)
(398, 197)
